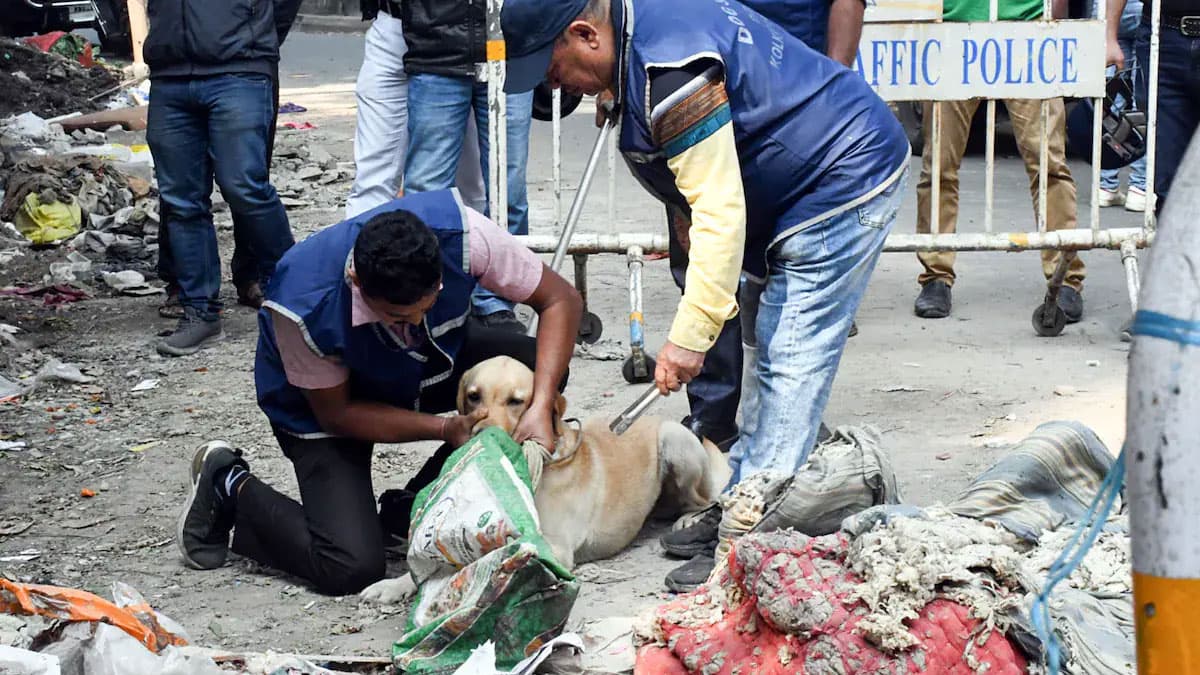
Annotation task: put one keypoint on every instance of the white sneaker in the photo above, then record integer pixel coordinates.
(1110, 198)
(1135, 200)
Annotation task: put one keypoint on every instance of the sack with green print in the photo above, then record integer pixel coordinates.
(482, 569)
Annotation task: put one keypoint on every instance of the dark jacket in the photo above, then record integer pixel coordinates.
(445, 37)
(190, 38)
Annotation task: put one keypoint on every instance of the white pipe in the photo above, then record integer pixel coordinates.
(1074, 240)
(497, 117)
(556, 122)
(1152, 118)
(1161, 443)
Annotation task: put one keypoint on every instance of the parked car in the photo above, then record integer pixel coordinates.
(109, 18)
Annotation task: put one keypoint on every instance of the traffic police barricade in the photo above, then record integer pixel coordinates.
(908, 54)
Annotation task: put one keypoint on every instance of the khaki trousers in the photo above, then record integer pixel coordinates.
(1026, 116)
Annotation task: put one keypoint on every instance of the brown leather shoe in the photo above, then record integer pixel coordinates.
(171, 309)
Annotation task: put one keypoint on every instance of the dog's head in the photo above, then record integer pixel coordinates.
(503, 386)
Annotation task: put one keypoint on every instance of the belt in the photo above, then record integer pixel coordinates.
(1188, 25)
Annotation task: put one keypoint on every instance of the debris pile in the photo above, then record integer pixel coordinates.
(49, 85)
(306, 175)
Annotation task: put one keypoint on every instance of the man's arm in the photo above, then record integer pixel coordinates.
(508, 269)
(1114, 56)
(325, 383)
(845, 31)
(691, 122)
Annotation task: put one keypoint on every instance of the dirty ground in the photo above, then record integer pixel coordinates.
(947, 395)
(48, 85)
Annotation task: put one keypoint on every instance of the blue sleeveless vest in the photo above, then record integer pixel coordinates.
(312, 288)
(812, 138)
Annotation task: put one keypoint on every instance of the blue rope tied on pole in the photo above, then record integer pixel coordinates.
(1086, 533)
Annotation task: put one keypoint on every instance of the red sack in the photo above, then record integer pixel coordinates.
(784, 608)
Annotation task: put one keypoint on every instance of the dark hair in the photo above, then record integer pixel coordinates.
(397, 258)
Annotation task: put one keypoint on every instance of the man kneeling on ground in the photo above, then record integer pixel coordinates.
(363, 338)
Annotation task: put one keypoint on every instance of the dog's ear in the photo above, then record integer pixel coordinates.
(560, 410)
(461, 401)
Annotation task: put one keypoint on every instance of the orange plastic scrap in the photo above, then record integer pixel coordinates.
(75, 605)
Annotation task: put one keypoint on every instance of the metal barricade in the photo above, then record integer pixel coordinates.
(918, 54)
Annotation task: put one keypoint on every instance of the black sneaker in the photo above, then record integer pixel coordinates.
(934, 301)
(505, 319)
(696, 538)
(1070, 301)
(853, 329)
(191, 335)
(205, 522)
(692, 574)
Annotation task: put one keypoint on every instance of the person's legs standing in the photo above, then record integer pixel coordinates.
(518, 117)
(244, 266)
(938, 277)
(242, 109)
(816, 281)
(381, 125)
(1178, 100)
(1026, 116)
(332, 536)
(437, 119)
(178, 135)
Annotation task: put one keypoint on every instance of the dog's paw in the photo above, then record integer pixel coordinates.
(389, 591)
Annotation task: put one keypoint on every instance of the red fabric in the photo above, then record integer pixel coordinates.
(792, 613)
(45, 42)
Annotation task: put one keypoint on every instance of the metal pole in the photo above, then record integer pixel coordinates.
(612, 182)
(1152, 118)
(897, 242)
(497, 124)
(1097, 118)
(637, 338)
(1164, 467)
(580, 196)
(1133, 282)
(989, 189)
(1043, 162)
(556, 122)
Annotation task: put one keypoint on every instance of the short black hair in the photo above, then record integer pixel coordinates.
(397, 258)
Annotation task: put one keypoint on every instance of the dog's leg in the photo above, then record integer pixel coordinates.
(688, 467)
(390, 591)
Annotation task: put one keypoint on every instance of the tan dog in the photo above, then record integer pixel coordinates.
(596, 490)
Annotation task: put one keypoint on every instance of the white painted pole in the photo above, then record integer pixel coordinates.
(497, 117)
(1152, 119)
(989, 190)
(1161, 443)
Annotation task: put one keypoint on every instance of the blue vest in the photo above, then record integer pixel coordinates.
(812, 137)
(805, 19)
(311, 286)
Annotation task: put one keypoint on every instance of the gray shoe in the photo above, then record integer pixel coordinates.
(191, 335)
(692, 574)
(204, 525)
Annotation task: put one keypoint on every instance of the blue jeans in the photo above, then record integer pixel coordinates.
(1178, 100)
(1110, 179)
(205, 128)
(815, 283)
(438, 107)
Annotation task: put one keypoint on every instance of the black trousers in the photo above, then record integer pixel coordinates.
(332, 537)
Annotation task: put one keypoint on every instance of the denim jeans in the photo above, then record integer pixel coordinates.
(1110, 179)
(815, 282)
(243, 265)
(438, 107)
(205, 128)
(1178, 100)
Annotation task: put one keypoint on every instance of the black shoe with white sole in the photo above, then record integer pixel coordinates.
(206, 519)
(696, 538)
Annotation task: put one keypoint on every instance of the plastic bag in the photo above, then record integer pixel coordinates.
(47, 223)
(482, 569)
